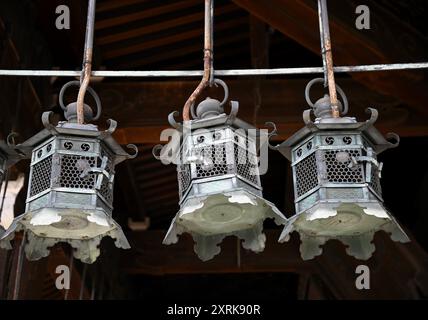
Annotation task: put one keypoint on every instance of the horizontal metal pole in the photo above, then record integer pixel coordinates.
(197, 73)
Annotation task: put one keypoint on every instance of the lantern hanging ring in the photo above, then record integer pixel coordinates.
(222, 103)
(89, 89)
(342, 112)
(11, 139)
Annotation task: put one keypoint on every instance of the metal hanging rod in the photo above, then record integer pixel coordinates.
(231, 72)
(207, 78)
(87, 60)
(327, 57)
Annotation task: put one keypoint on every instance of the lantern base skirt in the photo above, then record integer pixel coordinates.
(354, 224)
(209, 219)
(82, 229)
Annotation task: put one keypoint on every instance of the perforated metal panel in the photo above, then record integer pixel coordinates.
(217, 160)
(41, 173)
(214, 158)
(72, 167)
(337, 166)
(246, 164)
(306, 175)
(375, 181)
(184, 177)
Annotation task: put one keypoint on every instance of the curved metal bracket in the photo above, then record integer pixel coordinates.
(225, 88)
(10, 140)
(46, 122)
(135, 148)
(155, 149)
(234, 108)
(374, 114)
(271, 134)
(173, 123)
(112, 126)
(192, 110)
(394, 136)
(307, 117)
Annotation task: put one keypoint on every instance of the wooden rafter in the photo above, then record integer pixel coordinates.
(298, 20)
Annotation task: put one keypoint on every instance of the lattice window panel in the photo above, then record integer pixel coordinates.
(71, 170)
(215, 157)
(339, 172)
(246, 164)
(41, 176)
(184, 177)
(375, 182)
(306, 175)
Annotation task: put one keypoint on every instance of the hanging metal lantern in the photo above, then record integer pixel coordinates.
(219, 184)
(70, 191)
(337, 181)
(8, 157)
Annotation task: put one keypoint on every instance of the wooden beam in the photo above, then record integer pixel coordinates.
(331, 275)
(141, 109)
(298, 20)
(259, 46)
(58, 257)
(139, 15)
(153, 258)
(186, 35)
(182, 50)
(160, 26)
(130, 190)
(25, 117)
(136, 104)
(113, 4)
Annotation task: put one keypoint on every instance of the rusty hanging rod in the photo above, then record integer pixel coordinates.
(208, 62)
(87, 60)
(327, 56)
(226, 73)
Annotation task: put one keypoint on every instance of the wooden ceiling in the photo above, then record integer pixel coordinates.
(167, 35)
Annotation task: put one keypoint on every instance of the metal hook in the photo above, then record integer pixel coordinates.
(339, 89)
(11, 139)
(135, 148)
(173, 123)
(393, 136)
(90, 90)
(157, 148)
(222, 103)
(271, 134)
